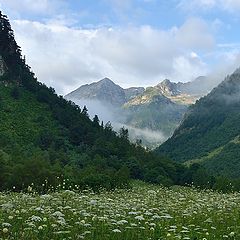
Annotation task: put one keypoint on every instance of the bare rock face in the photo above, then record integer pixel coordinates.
(2, 66)
(168, 88)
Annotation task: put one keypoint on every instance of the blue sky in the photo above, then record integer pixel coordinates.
(134, 42)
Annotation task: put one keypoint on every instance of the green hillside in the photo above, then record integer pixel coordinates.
(46, 141)
(210, 130)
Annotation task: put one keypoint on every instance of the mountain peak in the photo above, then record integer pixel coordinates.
(104, 90)
(106, 81)
(166, 82)
(168, 88)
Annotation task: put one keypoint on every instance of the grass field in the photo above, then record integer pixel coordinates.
(143, 212)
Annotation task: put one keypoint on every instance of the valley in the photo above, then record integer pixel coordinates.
(107, 162)
(160, 108)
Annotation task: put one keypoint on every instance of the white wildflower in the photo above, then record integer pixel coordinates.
(58, 214)
(5, 230)
(140, 218)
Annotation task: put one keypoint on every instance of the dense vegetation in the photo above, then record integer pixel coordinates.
(210, 131)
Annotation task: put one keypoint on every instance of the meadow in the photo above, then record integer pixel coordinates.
(145, 211)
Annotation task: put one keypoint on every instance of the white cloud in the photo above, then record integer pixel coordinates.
(65, 57)
(186, 67)
(231, 5)
(146, 134)
(228, 5)
(194, 33)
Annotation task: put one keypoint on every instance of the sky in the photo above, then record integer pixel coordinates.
(132, 42)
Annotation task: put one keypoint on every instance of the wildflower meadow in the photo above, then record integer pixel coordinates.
(146, 212)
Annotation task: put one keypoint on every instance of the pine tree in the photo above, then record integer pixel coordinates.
(8, 43)
(123, 133)
(96, 120)
(108, 127)
(9, 50)
(85, 111)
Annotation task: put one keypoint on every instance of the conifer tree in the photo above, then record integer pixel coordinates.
(9, 50)
(85, 111)
(96, 120)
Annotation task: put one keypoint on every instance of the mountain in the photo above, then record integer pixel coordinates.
(152, 110)
(168, 88)
(185, 93)
(179, 93)
(159, 108)
(162, 107)
(47, 142)
(105, 90)
(210, 132)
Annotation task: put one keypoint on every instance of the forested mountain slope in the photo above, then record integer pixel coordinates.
(210, 131)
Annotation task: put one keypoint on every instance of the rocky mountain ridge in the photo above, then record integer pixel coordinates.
(106, 91)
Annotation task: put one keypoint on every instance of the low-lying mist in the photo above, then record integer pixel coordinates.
(150, 138)
(114, 114)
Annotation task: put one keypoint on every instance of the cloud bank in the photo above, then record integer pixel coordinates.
(66, 57)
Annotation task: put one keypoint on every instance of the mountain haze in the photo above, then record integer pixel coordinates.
(159, 108)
